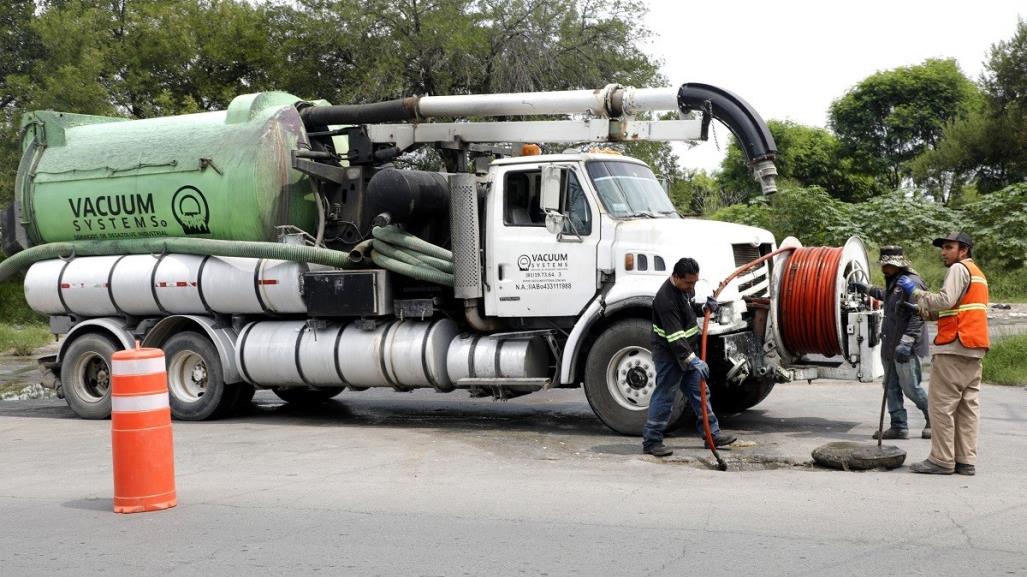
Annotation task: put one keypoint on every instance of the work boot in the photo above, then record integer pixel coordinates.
(658, 450)
(928, 468)
(926, 433)
(723, 440)
(966, 469)
(893, 433)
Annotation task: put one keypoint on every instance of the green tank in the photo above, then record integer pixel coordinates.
(221, 175)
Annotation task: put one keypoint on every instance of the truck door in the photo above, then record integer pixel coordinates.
(532, 272)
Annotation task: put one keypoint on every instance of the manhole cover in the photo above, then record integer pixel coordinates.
(849, 456)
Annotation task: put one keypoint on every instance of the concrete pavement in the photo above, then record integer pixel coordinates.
(380, 483)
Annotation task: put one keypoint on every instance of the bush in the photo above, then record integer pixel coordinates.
(809, 214)
(998, 225)
(997, 222)
(13, 308)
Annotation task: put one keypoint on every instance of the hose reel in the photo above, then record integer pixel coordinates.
(811, 317)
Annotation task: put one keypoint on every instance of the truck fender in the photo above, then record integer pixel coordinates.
(224, 339)
(107, 326)
(595, 312)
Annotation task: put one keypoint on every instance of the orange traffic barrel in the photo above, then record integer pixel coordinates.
(143, 449)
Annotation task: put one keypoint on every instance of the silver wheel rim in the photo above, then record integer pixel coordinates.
(631, 378)
(92, 381)
(187, 376)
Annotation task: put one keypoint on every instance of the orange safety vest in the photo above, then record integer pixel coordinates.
(968, 321)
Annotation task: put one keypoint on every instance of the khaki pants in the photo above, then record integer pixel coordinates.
(954, 405)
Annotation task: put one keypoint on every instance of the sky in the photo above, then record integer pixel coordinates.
(790, 59)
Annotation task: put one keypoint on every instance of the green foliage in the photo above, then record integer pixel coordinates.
(12, 304)
(892, 116)
(903, 219)
(998, 224)
(1006, 362)
(806, 156)
(809, 214)
(370, 50)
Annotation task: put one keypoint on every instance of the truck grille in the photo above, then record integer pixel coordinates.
(755, 283)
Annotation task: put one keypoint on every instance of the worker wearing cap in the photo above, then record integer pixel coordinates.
(903, 342)
(961, 309)
(675, 334)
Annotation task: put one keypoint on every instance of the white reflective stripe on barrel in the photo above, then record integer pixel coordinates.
(150, 366)
(139, 403)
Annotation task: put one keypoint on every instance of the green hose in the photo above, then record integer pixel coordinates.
(195, 246)
(418, 258)
(410, 257)
(419, 272)
(395, 236)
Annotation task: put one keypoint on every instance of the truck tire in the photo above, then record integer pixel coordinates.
(306, 396)
(747, 395)
(86, 376)
(196, 385)
(620, 377)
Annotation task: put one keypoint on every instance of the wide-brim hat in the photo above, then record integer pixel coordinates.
(893, 255)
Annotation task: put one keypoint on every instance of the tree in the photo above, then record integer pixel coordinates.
(370, 50)
(988, 146)
(145, 58)
(893, 116)
(806, 156)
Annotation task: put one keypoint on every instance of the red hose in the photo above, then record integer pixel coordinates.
(806, 307)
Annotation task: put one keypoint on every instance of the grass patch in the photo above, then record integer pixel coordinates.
(1006, 362)
(23, 339)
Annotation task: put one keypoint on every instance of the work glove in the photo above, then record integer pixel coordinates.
(712, 305)
(860, 287)
(903, 352)
(906, 284)
(701, 366)
(910, 307)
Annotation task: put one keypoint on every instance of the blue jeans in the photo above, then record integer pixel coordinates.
(899, 379)
(670, 378)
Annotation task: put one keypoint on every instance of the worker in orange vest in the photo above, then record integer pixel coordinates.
(961, 309)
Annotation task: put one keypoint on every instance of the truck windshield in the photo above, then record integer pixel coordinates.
(629, 190)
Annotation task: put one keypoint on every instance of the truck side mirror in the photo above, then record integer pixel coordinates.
(550, 197)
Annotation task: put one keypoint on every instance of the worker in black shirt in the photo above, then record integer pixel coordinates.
(675, 334)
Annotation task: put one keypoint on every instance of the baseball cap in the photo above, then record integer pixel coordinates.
(957, 236)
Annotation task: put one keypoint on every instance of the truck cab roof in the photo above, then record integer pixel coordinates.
(575, 157)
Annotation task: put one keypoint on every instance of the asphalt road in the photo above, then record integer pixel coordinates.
(380, 483)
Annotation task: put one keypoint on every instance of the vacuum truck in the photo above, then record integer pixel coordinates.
(285, 244)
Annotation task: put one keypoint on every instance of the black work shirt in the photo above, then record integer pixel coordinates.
(675, 322)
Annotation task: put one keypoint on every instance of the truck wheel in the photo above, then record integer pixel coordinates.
(196, 385)
(86, 376)
(620, 377)
(749, 394)
(306, 396)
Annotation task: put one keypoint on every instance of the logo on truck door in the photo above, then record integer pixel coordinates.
(543, 271)
(190, 209)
